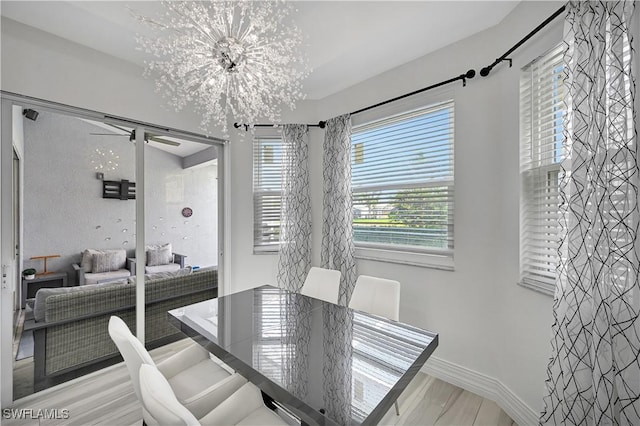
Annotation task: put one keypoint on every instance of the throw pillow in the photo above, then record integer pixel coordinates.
(87, 260)
(160, 275)
(105, 262)
(159, 256)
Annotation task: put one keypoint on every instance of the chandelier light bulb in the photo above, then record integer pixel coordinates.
(237, 60)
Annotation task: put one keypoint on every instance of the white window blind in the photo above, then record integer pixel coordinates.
(542, 112)
(267, 179)
(402, 181)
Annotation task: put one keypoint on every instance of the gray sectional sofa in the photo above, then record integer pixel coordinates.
(70, 324)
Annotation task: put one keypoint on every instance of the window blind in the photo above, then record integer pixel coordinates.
(542, 112)
(402, 181)
(267, 179)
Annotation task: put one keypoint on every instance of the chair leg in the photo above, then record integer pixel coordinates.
(397, 408)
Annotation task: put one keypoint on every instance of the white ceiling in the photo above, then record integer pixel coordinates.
(346, 41)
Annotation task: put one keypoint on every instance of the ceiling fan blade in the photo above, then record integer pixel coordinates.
(122, 129)
(161, 140)
(106, 134)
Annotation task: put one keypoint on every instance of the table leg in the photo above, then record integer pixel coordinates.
(268, 401)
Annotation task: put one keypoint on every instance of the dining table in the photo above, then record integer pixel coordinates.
(323, 363)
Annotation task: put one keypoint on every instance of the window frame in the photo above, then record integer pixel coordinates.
(402, 254)
(536, 173)
(265, 248)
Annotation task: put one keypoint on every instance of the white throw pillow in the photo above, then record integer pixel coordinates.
(159, 255)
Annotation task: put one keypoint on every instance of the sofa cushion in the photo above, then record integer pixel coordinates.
(39, 303)
(171, 267)
(96, 278)
(159, 255)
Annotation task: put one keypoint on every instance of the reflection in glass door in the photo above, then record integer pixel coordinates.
(181, 229)
(79, 237)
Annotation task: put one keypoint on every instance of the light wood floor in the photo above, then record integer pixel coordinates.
(107, 398)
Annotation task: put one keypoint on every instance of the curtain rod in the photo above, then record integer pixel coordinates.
(322, 124)
(469, 74)
(486, 70)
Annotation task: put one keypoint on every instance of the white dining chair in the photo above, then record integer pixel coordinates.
(199, 382)
(245, 406)
(323, 284)
(378, 296)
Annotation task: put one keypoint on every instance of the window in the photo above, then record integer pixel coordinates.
(267, 178)
(402, 182)
(541, 124)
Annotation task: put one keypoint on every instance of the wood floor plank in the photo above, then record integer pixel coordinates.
(461, 409)
(430, 408)
(106, 398)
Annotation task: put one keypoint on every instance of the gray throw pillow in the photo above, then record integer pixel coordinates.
(87, 260)
(109, 260)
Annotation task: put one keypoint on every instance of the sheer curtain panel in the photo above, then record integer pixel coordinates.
(338, 251)
(294, 259)
(594, 371)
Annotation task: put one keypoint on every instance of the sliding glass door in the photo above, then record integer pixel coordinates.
(113, 214)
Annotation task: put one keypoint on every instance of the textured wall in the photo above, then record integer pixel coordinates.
(64, 211)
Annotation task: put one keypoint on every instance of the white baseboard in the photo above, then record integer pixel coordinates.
(485, 386)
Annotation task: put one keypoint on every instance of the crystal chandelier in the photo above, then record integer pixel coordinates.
(236, 59)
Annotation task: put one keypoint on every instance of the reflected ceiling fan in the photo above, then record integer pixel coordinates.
(132, 136)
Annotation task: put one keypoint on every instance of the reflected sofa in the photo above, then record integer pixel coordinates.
(70, 325)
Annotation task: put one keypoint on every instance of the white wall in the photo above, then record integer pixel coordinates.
(64, 211)
(488, 325)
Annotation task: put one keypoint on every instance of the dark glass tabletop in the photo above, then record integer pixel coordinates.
(327, 364)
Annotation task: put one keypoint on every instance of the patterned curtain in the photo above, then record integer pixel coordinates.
(593, 377)
(294, 259)
(338, 251)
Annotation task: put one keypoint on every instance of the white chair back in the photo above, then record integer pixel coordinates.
(377, 296)
(322, 284)
(160, 401)
(133, 352)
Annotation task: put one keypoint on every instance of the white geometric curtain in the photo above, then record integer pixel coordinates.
(338, 251)
(294, 258)
(593, 377)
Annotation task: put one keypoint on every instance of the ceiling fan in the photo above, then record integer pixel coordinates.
(132, 136)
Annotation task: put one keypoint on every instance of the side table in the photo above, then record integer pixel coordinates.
(30, 287)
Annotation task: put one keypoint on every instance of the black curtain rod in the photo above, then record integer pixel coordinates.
(469, 74)
(486, 70)
(463, 77)
(322, 124)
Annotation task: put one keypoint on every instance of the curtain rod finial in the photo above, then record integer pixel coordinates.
(471, 73)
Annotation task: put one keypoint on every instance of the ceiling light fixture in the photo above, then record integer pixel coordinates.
(231, 59)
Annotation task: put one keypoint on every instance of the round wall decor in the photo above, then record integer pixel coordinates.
(187, 212)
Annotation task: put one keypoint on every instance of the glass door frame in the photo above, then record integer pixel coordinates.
(8, 100)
